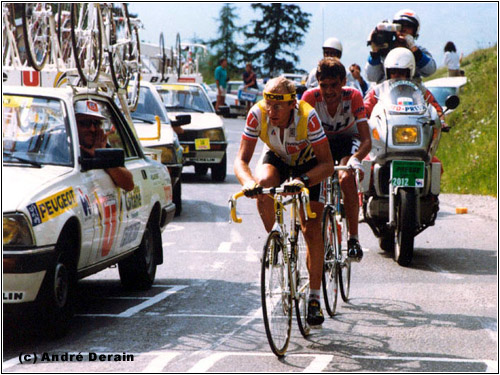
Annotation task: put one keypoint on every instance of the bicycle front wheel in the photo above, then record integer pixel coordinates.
(330, 267)
(344, 268)
(275, 294)
(302, 283)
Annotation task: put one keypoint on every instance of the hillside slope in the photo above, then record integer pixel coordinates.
(469, 150)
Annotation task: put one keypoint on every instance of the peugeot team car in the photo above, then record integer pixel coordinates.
(204, 139)
(163, 138)
(63, 217)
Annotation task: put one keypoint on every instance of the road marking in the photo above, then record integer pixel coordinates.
(213, 252)
(224, 247)
(489, 363)
(149, 302)
(319, 363)
(251, 255)
(210, 316)
(206, 363)
(159, 363)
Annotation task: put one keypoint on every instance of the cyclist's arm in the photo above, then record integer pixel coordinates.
(324, 168)
(366, 141)
(242, 161)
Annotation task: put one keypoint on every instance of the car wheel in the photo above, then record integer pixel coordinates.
(138, 271)
(58, 293)
(200, 169)
(177, 197)
(219, 170)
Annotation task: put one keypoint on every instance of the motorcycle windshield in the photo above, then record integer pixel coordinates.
(402, 97)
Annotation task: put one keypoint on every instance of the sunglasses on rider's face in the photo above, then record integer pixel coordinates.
(87, 124)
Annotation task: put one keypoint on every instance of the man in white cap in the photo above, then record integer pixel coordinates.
(331, 48)
(92, 136)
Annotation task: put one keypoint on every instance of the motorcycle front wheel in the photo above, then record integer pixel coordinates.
(405, 230)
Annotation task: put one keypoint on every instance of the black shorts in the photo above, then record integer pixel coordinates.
(287, 171)
(343, 146)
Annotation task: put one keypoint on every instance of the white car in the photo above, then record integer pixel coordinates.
(204, 140)
(441, 88)
(235, 107)
(163, 138)
(63, 217)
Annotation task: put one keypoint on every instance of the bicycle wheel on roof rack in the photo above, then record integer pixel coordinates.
(63, 27)
(135, 66)
(86, 40)
(179, 54)
(163, 57)
(36, 33)
(119, 40)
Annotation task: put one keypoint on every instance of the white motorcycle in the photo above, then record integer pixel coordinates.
(401, 198)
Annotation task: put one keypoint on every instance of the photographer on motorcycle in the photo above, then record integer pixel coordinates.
(401, 33)
(343, 117)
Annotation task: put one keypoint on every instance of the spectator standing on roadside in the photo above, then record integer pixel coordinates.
(250, 81)
(221, 82)
(452, 60)
(354, 79)
(331, 48)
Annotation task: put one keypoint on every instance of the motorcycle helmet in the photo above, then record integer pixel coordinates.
(410, 17)
(400, 58)
(335, 44)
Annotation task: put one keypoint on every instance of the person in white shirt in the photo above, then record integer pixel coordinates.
(452, 60)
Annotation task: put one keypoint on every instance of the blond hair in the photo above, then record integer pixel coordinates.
(280, 85)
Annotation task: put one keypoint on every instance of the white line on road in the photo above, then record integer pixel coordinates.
(159, 363)
(149, 302)
(224, 247)
(445, 273)
(319, 363)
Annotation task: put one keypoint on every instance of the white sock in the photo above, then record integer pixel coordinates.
(314, 294)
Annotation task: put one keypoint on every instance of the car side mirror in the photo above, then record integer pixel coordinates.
(452, 102)
(181, 120)
(223, 110)
(104, 158)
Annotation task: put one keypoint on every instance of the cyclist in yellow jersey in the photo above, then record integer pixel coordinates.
(296, 146)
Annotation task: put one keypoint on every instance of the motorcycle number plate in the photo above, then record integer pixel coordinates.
(407, 173)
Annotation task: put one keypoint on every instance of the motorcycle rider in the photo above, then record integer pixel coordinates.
(331, 48)
(410, 26)
(400, 64)
(344, 120)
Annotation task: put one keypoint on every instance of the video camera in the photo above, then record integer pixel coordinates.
(384, 35)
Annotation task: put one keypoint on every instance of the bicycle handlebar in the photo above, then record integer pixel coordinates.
(271, 191)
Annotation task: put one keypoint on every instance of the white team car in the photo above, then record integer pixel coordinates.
(163, 138)
(204, 140)
(63, 217)
(441, 88)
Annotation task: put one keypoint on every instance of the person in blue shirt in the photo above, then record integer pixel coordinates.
(221, 82)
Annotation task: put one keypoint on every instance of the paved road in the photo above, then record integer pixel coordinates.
(203, 314)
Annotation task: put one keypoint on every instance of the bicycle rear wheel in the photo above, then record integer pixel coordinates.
(120, 39)
(344, 266)
(135, 70)
(330, 277)
(64, 32)
(275, 294)
(302, 282)
(86, 40)
(36, 33)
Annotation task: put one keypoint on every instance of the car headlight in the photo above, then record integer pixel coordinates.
(214, 134)
(167, 155)
(17, 231)
(404, 135)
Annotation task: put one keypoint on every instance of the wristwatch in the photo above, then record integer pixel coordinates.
(305, 179)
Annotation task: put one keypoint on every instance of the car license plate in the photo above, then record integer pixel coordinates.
(185, 149)
(407, 173)
(202, 144)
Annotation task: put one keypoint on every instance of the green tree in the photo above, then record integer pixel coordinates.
(225, 44)
(272, 39)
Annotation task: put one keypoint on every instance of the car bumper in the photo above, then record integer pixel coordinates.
(212, 156)
(23, 273)
(237, 110)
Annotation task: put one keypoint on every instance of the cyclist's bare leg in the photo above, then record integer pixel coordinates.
(351, 201)
(267, 176)
(315, 248)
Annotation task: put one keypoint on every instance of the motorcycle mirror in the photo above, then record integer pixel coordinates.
(452, 102)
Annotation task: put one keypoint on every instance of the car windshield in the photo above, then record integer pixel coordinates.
(34, 131)
(441, 93)
(148, 107)
(184, 98)
(402, 97)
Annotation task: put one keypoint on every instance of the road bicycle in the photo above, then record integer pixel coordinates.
(284, 276)
(337, 265)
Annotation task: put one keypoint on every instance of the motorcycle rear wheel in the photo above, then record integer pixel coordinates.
(406, 223)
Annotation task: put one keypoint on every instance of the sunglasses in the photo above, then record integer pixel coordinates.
(89, 123)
